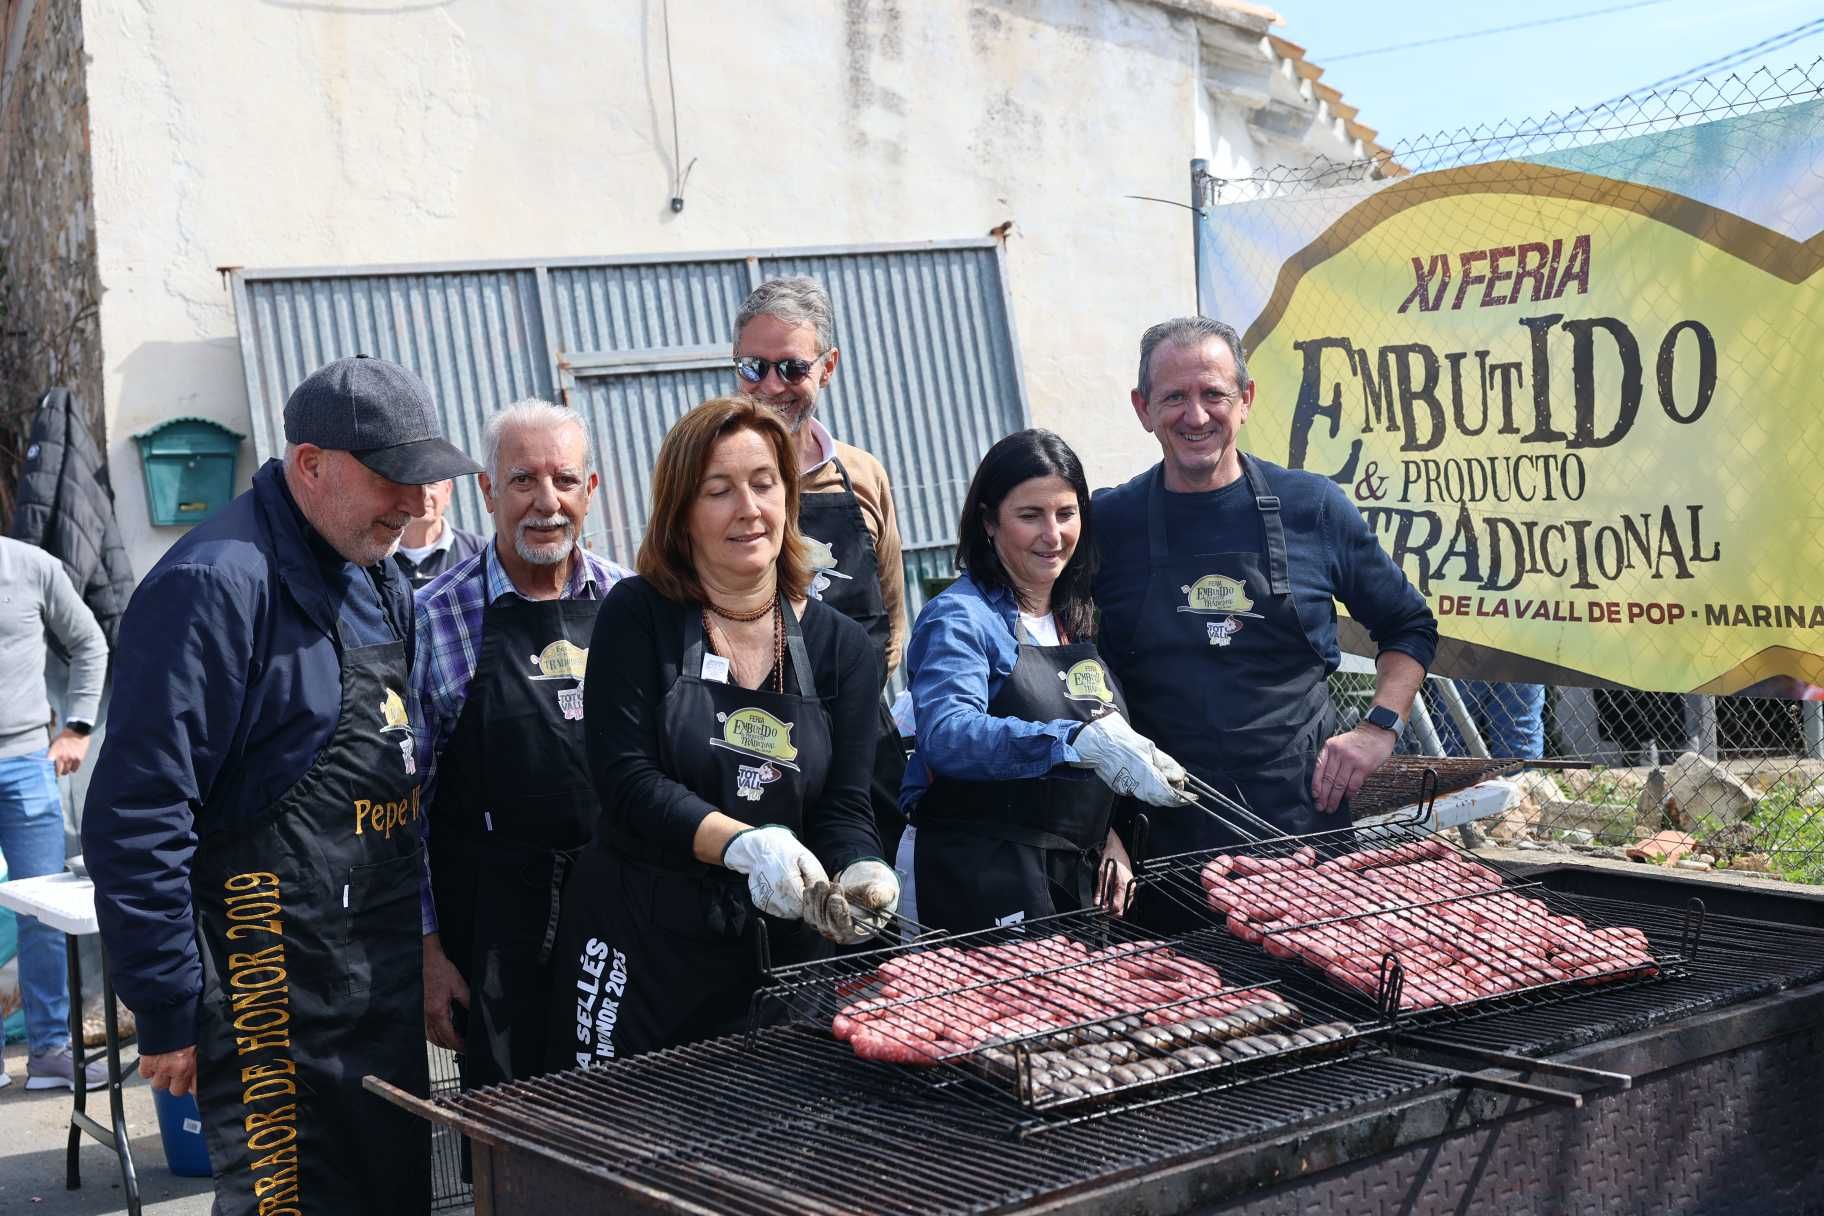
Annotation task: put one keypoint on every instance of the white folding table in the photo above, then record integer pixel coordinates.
(67, 902)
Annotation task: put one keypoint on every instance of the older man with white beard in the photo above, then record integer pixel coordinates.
(502, 645)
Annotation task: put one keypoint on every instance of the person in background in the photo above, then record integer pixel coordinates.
(1022, 740)
(501, 654)
(730, 747)
(786, 355)
(432, 544)
(38, 600)
(251, 826)
(1218, 586)
(1511, 718)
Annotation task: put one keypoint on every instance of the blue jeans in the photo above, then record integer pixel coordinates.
(1511, 718)
(31, 840)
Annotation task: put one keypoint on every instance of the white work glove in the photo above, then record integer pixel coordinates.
(779, 869)
(1128, 762)
(856, 904)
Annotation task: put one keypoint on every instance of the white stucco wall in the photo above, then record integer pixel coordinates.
(374, 131)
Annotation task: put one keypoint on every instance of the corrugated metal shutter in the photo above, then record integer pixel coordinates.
(929, 377)
(476, 336)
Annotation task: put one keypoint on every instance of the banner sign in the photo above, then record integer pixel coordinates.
(1581, 403)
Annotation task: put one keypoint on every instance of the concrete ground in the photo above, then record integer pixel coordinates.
(34, 1130)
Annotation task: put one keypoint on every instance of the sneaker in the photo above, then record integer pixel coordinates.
(56, 1069)
(5, 1078)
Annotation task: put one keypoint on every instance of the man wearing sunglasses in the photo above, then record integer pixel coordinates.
(785, 354)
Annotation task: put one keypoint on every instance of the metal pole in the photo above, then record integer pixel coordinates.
(1812, 713)
(1700, 725)
(1452, 696)
(1200, 169)
(1420, 721)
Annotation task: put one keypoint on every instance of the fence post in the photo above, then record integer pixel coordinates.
(1421, 726)
(1811, 713)
(1700, 725)
(1459, 715)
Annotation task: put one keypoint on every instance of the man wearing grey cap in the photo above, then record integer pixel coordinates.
(251, 825)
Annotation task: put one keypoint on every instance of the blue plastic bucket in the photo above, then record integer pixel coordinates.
(180, 1126)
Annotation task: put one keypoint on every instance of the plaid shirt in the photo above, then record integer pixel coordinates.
(448, 644)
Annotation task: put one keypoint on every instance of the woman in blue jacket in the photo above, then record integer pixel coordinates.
(1023, 741)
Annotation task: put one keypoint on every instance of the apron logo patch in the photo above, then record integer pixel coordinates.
(1221, 631)
(823, 566)
(564, 660)
(756, 733)
(393, 718)
(1087, 681)
(1217, 595)
(561, 660)
(751, 778)
(392, 713)
(595, 1022)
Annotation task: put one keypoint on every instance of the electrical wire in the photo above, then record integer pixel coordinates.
(1500, 29)
(1772, 42)
(680, 172)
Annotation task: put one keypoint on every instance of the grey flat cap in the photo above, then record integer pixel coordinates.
(380, 413)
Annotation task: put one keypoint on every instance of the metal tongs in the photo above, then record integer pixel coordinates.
(1245, 824)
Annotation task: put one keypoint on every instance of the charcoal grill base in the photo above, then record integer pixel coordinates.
(1722, 1134)
(1724, 1118)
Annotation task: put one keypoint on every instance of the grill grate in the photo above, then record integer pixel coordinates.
(1428, 932)
(1075, 1011)
(789, 1121)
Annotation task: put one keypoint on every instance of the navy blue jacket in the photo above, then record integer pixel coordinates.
(1331, 555)
(226, 685)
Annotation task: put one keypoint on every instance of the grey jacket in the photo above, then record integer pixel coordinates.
(66, 507)
(36, 599)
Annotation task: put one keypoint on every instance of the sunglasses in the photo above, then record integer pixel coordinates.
(792, 371)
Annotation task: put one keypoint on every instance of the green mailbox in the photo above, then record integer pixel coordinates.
(189, 464)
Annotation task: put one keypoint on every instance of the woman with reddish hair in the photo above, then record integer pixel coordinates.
(731, 740)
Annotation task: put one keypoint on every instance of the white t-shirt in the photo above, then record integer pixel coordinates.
(1043, 630)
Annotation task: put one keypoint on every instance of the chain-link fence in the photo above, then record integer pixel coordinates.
(1692, 208)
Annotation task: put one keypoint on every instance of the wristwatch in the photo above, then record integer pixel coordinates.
(1384, 718)
(79, 729)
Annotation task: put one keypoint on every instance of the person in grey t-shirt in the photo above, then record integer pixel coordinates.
(36, 599)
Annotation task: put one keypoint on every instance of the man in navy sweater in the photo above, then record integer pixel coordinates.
(1217, 587)
(252, 824)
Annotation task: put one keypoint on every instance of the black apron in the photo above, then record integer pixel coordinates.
(514, 804)
(656, 950)
(847, 578)
(996, 852)
(1222, 676)
(309, 931)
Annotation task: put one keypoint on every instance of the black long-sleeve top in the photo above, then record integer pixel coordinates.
(635, 655)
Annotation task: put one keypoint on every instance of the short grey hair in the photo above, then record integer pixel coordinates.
(1188, 331)
(531, 414)
(796, 300)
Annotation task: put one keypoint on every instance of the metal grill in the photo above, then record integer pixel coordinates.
(790, 1121)
(1738, 959)
(1075, 1012)
(1425, 931)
